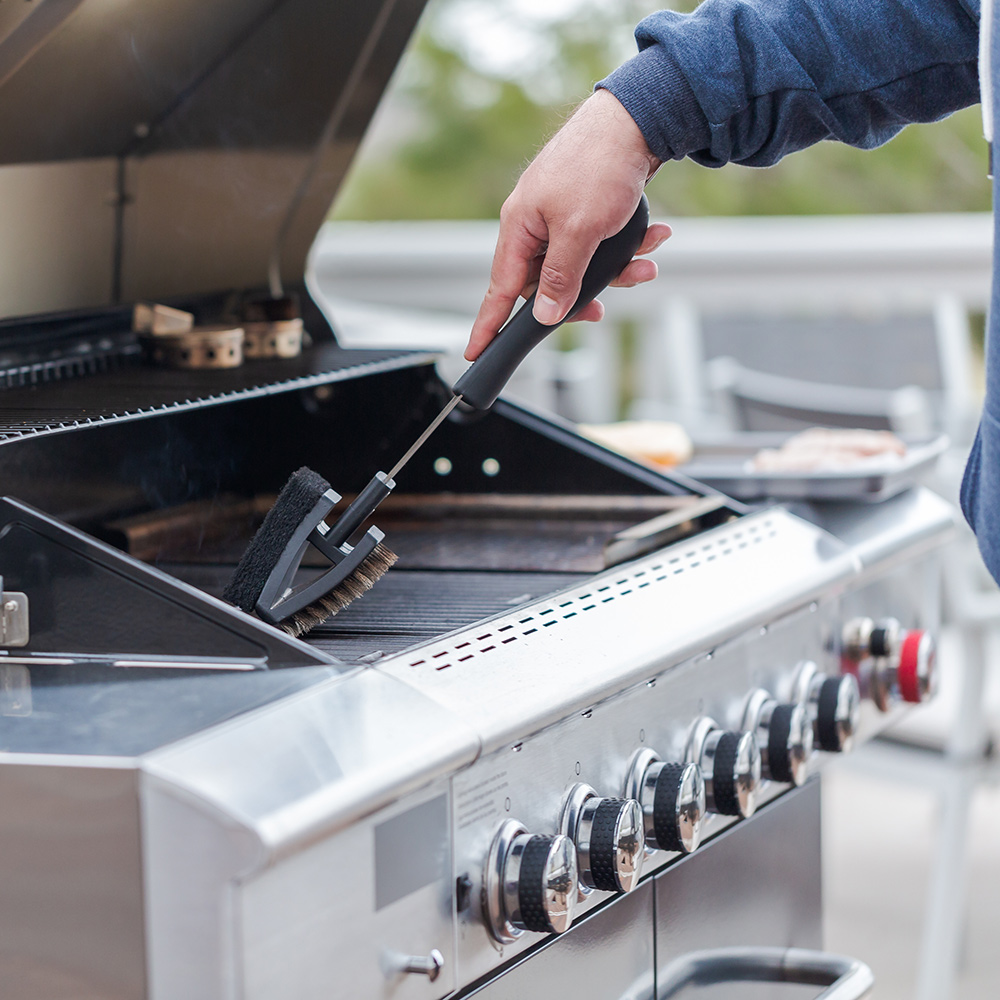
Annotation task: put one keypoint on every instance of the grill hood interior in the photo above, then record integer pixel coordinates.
(151, 149)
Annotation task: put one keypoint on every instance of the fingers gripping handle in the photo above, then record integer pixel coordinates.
(485, 378)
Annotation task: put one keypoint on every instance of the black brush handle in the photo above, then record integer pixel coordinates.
(485, 378)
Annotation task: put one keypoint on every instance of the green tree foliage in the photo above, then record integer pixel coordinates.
(457, 129)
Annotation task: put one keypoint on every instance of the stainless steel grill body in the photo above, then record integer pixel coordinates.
(195, 805)
(315, 843)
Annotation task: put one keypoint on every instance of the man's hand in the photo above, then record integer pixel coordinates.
(580, 189)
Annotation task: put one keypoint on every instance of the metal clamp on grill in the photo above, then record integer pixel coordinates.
(14, 629)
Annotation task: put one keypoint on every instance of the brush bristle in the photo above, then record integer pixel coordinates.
(368, 573)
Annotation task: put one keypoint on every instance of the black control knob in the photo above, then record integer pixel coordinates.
(546, 884)
(785, 735)
(736, 769)
(609, 838)
(672, 797)
(834, 705)
(789, 745)
(530, 883)
(730, 763)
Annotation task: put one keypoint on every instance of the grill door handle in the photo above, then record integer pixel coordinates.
(844, 978)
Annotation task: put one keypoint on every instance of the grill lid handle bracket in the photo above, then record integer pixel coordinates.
(14, 630)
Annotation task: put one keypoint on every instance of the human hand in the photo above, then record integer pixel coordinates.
(580, 189)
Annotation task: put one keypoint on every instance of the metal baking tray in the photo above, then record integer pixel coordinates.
(721, 463)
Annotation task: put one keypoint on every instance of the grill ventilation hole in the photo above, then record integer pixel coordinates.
(689, 562)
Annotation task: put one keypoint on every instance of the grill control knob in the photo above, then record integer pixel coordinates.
(530, 883)
(731, 765)
(891, 662)
(917, 657)
(784, 735)
(833, 705)
(672, 797)
(609, 838)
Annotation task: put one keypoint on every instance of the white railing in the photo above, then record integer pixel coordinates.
(427, 279)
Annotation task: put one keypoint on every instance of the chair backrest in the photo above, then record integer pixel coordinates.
(879, 352)
(759, 401)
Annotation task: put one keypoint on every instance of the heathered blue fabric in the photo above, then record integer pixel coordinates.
(747, 81)
(981, 483)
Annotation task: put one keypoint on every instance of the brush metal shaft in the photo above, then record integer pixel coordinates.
(432, 427)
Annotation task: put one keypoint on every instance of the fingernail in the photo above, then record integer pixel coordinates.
(545, 310)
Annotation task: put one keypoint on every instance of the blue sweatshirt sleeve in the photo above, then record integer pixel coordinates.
(747, 81)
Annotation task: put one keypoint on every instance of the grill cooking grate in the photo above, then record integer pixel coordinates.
(134, 391)
(408, 606)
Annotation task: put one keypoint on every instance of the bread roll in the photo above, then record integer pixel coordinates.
(658, 442)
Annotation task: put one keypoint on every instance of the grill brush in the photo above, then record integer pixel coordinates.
(262, 582)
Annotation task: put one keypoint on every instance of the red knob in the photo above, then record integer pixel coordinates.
(916, 665)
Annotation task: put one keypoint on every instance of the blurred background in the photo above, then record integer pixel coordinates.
(840, 287)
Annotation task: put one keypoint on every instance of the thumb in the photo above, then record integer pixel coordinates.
(562, 271)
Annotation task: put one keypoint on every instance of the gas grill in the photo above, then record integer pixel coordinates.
(570, 741)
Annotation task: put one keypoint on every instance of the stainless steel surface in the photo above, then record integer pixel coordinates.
(71, 919)
(612, 631)
(845, 978)
(606, 956)
(576, 799)
(494, 883)
(737, 891)
(284, 805)
(856, 641)
(896, 530)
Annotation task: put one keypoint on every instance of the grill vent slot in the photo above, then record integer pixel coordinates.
(693, 560)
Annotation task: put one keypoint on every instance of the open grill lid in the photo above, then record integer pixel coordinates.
(151, 149)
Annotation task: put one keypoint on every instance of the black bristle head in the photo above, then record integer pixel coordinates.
(295, 501)
(350, 589)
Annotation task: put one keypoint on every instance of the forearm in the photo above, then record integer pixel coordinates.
(748, 81)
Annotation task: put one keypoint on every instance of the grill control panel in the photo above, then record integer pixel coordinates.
(664, 768)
